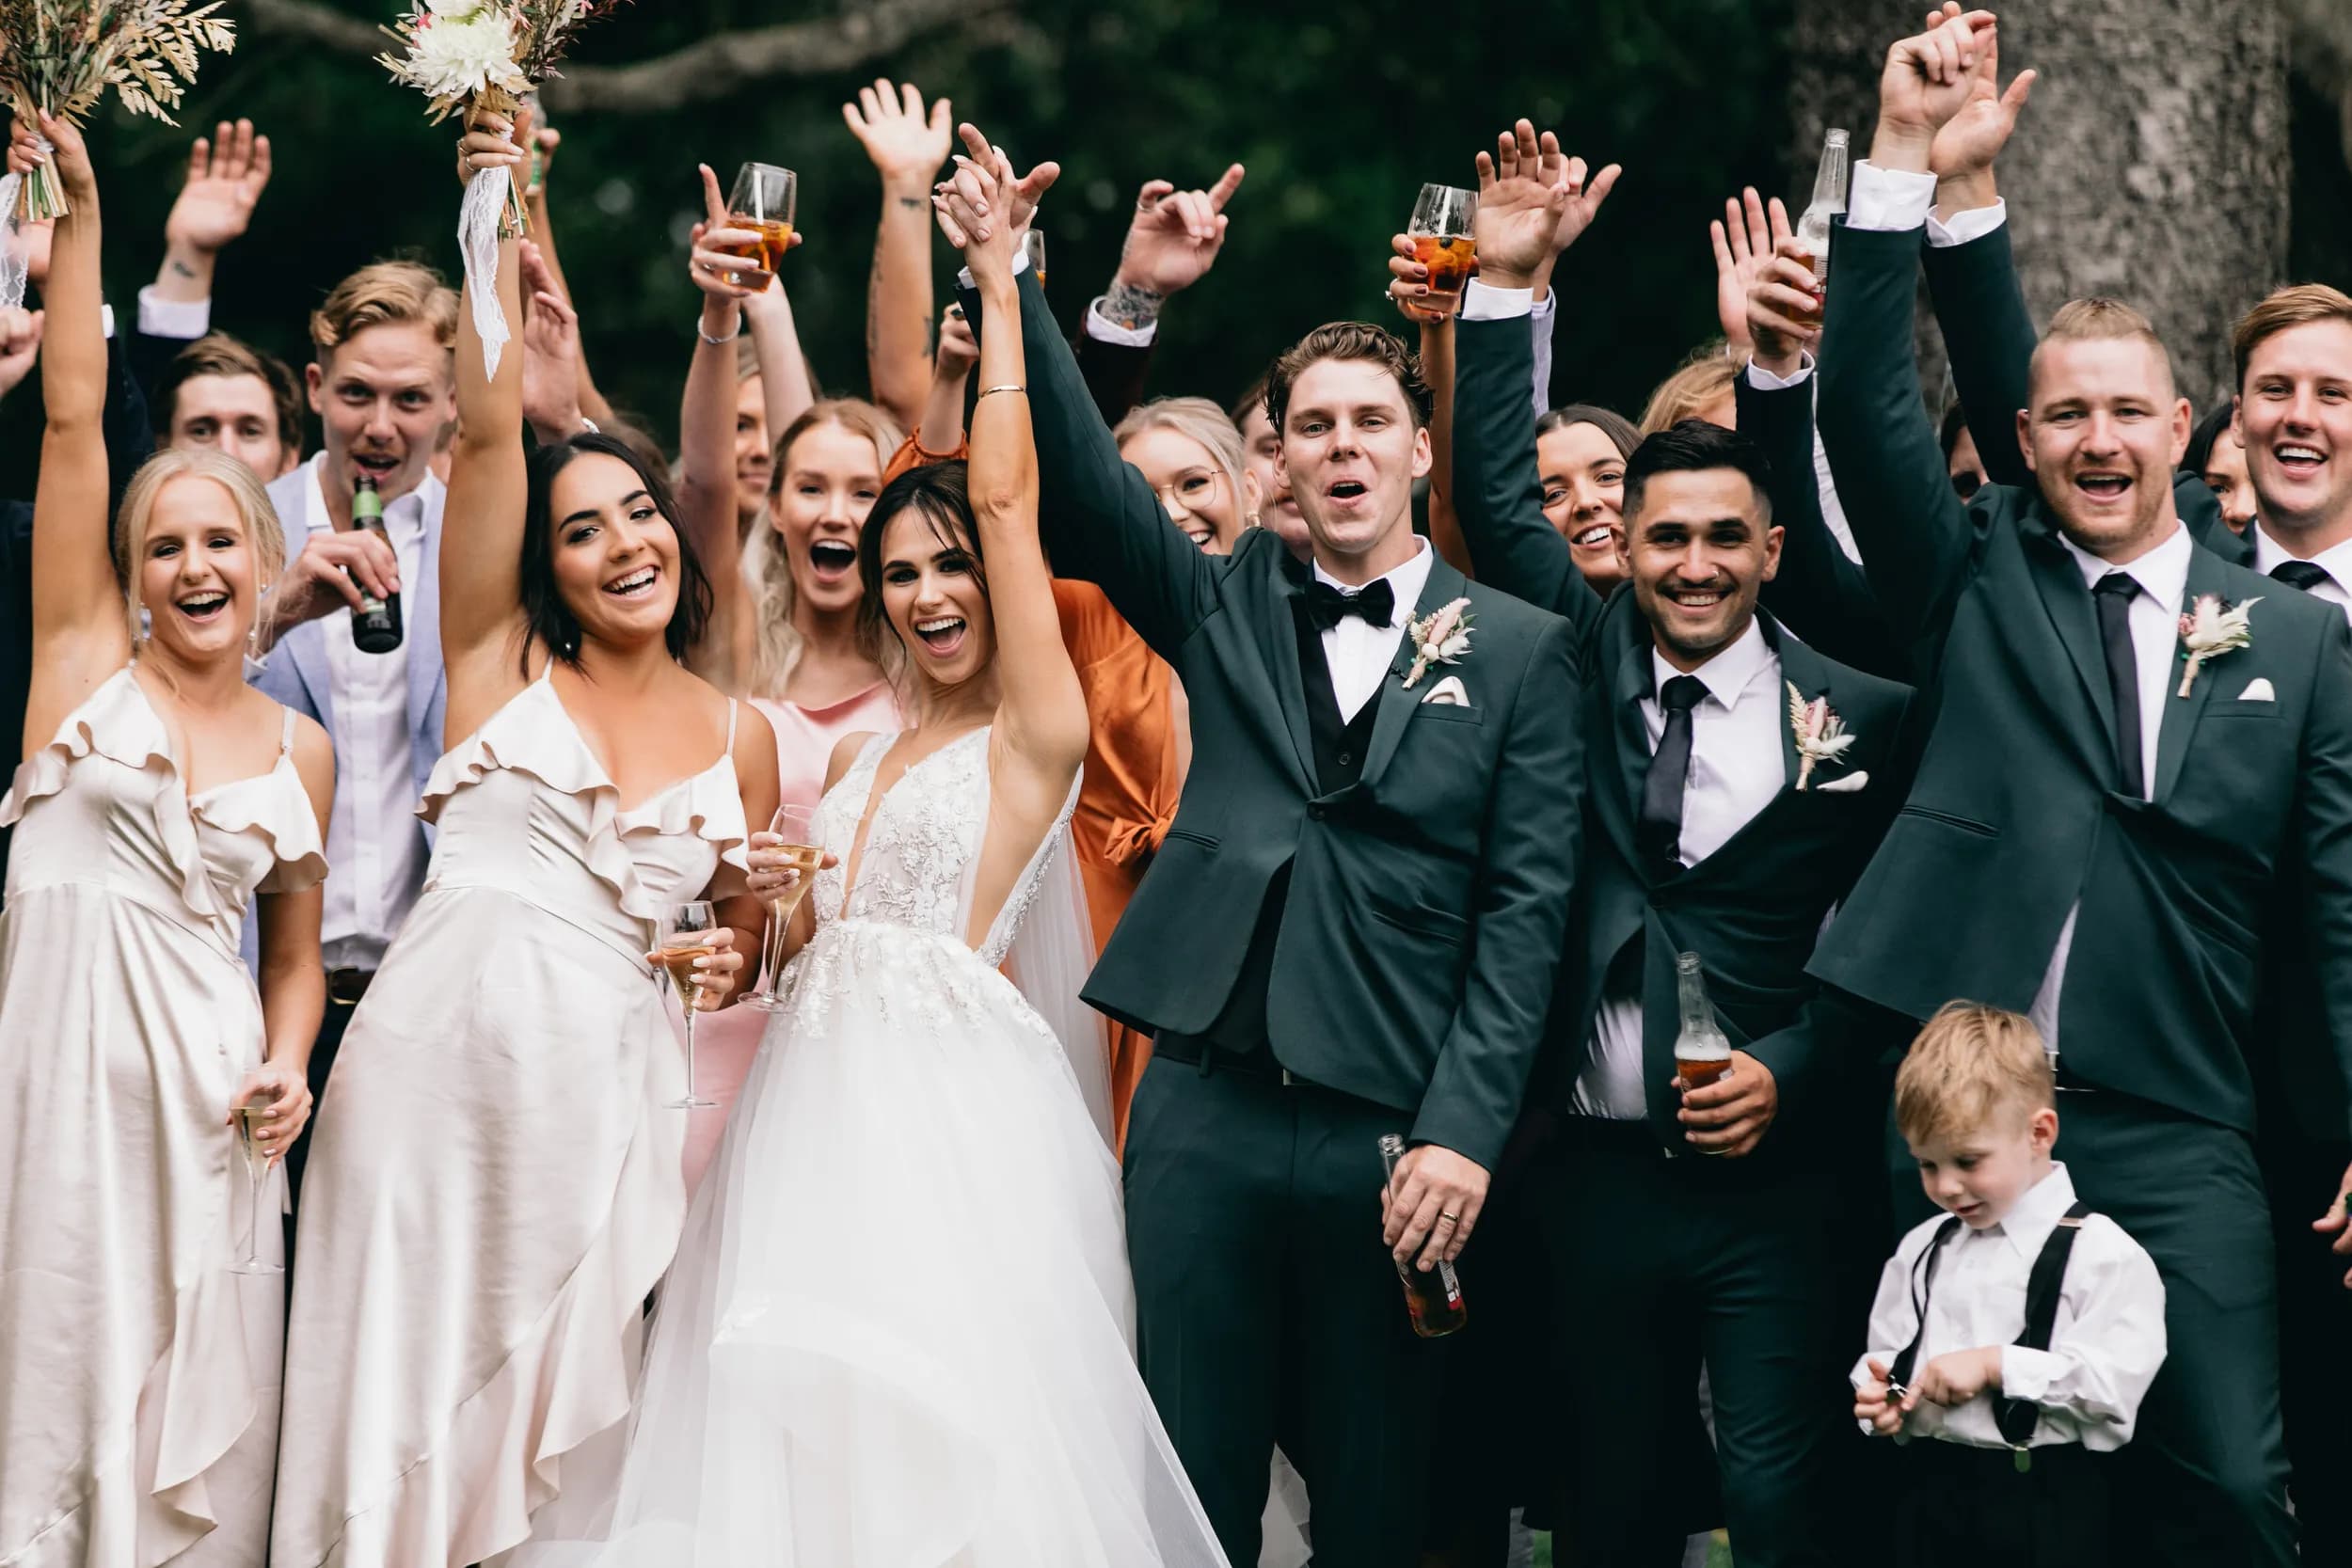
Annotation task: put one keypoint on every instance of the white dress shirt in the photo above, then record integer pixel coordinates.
(375, 853)
(1736, 768)
(1360, 652)
(2155, 622)
(2336, 562)
(2106, 1346)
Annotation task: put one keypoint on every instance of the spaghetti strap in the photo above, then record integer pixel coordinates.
(734, 707)
(286, 734)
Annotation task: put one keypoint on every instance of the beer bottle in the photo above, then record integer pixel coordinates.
(1432, 1300)
(1829, 201)
(1701, 1053)
(375, 625)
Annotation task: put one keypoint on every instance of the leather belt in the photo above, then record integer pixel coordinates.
(1193, 1052)
(345, 987)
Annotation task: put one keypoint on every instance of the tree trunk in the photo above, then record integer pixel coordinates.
(2152, 164)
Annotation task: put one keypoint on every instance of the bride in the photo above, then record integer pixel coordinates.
(899, 1327)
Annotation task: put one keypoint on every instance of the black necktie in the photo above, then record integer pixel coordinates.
(1661, 827)
(2114, 593)
(2300, 574)
(1328, 605)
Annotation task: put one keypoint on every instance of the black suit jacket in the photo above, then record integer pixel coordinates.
(1413, 963)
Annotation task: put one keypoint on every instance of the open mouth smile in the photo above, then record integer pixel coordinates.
(208, 605)
(637, 585)
(831, 560)
(942, 635)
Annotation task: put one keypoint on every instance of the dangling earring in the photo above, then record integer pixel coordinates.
(253, 632)
(147, 625)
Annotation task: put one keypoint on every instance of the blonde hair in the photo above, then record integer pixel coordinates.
(2297, 305)
(1197, 419)
(384, 295)
(1705, 376)
(2096, 320)
(776, 640)
(264, 534)
(1968, 1062)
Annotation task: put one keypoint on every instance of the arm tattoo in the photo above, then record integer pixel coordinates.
(181, 268)
(915, 201)
(1131, 307)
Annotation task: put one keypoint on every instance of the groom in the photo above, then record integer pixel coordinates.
(1351, 931)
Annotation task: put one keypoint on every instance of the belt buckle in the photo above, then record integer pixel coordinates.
(335, 978)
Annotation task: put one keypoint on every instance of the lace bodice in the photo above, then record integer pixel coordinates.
(922, 854)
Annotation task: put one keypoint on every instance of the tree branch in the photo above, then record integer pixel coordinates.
(711, 67)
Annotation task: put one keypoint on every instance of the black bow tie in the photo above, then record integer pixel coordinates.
(1328, 605)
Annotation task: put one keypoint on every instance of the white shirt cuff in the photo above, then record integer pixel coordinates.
(1892, 199)
(184, 319)
(106, 319)
(1020, 265)
(1765, 381)
(1484, 301)
(1102, 328)
(1974, 224)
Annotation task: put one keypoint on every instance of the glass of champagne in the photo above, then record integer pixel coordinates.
(685, 936)
(1035, 247)
(797, 827)
(1441, 233)
(249, 1118)
(763, 202)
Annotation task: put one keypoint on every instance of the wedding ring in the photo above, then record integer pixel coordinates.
(1450, 1219)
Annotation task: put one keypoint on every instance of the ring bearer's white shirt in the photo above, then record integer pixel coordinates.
(2105, 1348)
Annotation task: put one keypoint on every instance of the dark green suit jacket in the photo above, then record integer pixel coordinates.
(1414, 960)
(2017, 815)
(1753, 909)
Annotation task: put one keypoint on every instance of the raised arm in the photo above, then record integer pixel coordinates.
(1042, 711)
(1173, 240)
(545, 140)
(227, 174)
(784, 387)
(1437, 374)
(79, 634)
(941, 434)
(907, 146)
(482, 543)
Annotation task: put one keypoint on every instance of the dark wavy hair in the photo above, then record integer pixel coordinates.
(1610, 423)
(1691, 447)
(1347, 341)
(549, 621)
(2202, 440)
(941, 495)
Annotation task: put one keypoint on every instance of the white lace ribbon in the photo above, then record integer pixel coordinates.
(478, 238)
(16, 266)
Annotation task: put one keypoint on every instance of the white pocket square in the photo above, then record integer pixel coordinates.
(1846, 786)
(1449, 693)
(2258, 691)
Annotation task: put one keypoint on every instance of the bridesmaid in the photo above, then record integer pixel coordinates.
(159, 793)
(497, 1189)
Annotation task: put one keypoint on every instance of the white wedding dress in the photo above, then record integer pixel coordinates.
(898, 1330)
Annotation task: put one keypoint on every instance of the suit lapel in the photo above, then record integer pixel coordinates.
(306, 644)
(1280, 632)
(421, 633)
(2067, 601)
(1631, 681)
(1808, 672)
(2180, 714)
(1443, 586)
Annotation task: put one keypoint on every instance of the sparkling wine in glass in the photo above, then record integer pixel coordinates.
(797, 827)
(1441, 232)
(685, 934)
(763, 202)
(250, 1116)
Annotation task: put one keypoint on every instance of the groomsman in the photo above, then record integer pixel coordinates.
(1351, 931)
(2120, 804)
(383, 386)
(1714, 1224)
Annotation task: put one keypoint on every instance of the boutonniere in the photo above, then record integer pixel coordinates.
(2211, 628)
(1441, 636)
(1821, 734)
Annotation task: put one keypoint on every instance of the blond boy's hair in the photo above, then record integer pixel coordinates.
(383, 294)
(1968, 1063)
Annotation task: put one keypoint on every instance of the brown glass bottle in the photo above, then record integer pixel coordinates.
(375, 625)
(1433, 1300)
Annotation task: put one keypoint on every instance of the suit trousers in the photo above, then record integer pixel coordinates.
(1268, 1312)
(1747, 1265)
(2314, 1326)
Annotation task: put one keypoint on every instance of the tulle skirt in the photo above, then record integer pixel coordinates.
(898, 1330)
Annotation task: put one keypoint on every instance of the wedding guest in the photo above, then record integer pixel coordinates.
(907, 144)
(138, 1372)
(2160, 831)
(2216, 456)
(1278, 510)
(381, 386)
(1700, 389)
(2015, 1336)
(1580, 453)
(508, 1146)
(222, 393)
(1723, 828)
(1191, 456)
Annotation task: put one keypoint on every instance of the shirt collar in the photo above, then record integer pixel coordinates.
(1405, 581)
(1725, 675)
(2039, 1208)
(2336, 559)
(2162, 573)
(403, 519)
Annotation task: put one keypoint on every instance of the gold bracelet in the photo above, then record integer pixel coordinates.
(1007, 387)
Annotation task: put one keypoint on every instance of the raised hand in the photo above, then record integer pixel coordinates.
(1175, 236)
(551, 352)
(905, 145)
(1743, 242)
(1783, 309)
(976, 209)
(488, 143)
(75, 176)
(959, 351)
(1928, 80)
(1974, 137)
(1520, 206)
(20, 346)
(718, 270)
(226, 175)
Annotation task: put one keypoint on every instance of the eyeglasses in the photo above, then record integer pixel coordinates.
(1207, 480)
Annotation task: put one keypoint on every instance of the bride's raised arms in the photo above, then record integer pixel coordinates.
(1041, 716)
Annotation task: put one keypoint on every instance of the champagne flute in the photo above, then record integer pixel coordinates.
(685, 931)
(249, 1118)
(797, 827)
(1441, 232)
(763, 202)
(1035, 248)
